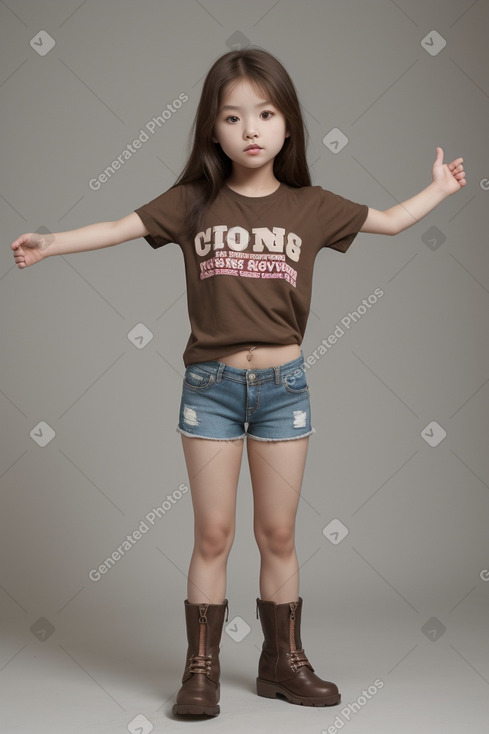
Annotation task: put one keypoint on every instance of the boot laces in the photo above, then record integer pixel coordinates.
(298, 658)
(200, 664)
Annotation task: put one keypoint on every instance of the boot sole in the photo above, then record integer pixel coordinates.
(270, 690)
(195, 710)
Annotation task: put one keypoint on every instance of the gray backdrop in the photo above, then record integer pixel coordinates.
(392, 525)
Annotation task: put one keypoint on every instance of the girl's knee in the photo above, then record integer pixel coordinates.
(214, 541)
(278, 540)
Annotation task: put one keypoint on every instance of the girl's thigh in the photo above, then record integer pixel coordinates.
(276, 469)
(213, 471)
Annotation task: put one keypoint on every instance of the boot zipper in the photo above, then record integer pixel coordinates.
(202, 629)
(203, 625)
(298, 658)
(292, 606)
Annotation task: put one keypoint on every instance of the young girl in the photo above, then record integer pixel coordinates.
(250, 225)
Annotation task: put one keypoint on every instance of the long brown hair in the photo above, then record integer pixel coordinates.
(208, 166)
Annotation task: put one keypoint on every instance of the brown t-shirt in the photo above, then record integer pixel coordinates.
(249, 268)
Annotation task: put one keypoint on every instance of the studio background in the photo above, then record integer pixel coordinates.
(392, 524)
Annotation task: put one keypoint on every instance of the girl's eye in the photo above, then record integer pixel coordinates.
(234, 118)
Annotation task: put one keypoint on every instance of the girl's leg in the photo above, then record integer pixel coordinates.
(277, 469)
(213, 471)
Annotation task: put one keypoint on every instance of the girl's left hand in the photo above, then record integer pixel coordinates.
(450, 177)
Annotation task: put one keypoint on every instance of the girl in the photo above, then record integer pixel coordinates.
(250, 225)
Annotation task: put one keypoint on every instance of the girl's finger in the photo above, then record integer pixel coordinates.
(17, 243)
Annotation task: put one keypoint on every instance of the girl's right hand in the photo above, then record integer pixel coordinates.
(30, 248)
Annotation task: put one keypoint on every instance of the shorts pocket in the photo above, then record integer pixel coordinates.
(296, 381)
(196, 378)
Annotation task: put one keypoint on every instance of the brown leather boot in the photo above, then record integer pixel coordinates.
(283, 666)
(200, 691)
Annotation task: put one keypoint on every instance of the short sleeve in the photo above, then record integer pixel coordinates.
(340, 219)
(163, 217)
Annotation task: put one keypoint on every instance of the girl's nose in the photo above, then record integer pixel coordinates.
(250, 132)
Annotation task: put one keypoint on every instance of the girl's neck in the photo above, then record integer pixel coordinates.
(252, 183)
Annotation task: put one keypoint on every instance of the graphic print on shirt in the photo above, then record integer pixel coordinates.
(261, 253)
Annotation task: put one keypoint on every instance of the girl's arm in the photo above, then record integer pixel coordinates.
(446, 179)
(30, 248)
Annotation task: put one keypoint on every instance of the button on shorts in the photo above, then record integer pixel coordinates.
(226, 403)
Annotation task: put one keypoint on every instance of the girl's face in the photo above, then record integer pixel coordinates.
(246, 118)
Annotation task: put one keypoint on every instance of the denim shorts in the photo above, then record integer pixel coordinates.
(226, 403)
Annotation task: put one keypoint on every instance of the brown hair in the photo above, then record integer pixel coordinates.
(208, 166)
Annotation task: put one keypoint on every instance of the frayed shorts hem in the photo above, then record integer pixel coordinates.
(210, 438)
(243, 435)
(286, 438)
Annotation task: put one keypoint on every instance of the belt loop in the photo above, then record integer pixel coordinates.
(277, 374)
(219, 372)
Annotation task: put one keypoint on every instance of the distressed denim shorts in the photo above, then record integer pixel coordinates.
(226, 403)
